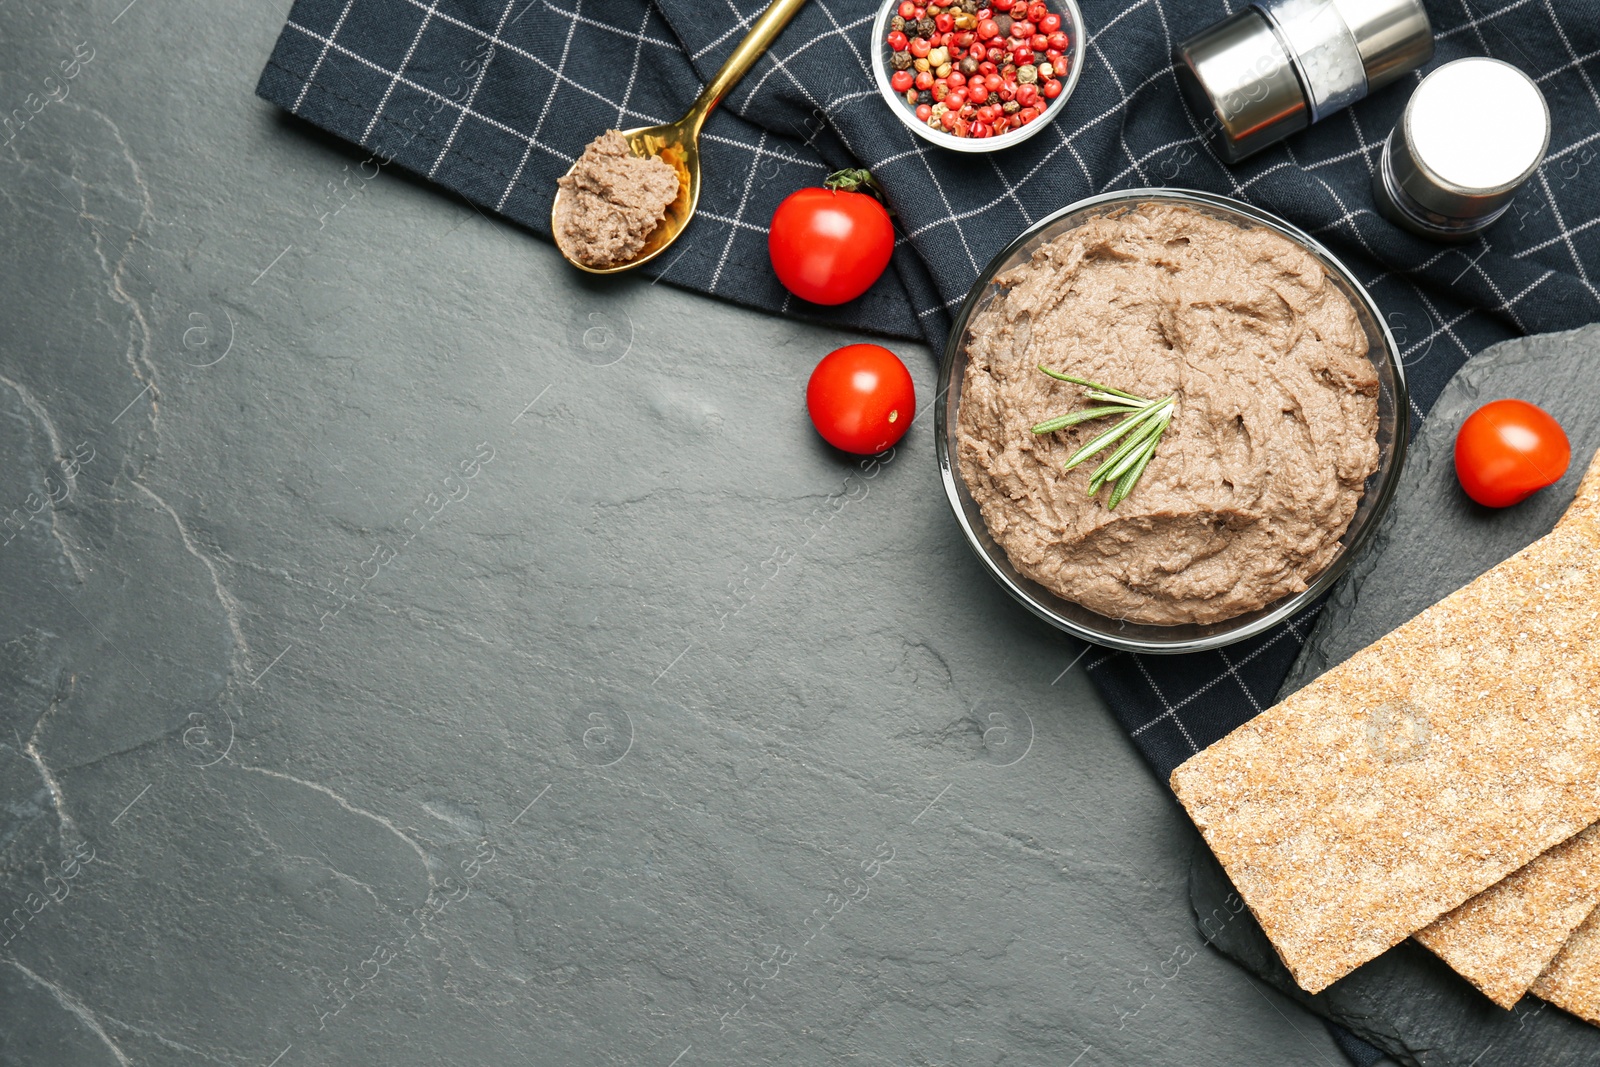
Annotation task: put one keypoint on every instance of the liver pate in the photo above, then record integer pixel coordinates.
(614, 201)
(1263, 465)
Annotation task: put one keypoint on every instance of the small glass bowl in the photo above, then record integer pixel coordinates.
(1393, 428)
(1072, 22)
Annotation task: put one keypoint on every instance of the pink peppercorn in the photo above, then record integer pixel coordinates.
(1002, 36)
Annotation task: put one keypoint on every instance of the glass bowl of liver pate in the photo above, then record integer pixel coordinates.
(1111, 627)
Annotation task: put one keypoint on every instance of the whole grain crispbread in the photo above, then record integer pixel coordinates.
(1424, 769)
(1586, 505)
(1572, 981)
(1503, 938)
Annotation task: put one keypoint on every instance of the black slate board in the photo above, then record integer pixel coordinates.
(1434, 541)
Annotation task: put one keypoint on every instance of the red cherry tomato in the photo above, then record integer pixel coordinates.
(861, 399)
(829, 245)
(1508, 450)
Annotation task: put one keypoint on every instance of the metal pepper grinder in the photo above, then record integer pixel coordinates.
(1472, 133)
(1274, 68)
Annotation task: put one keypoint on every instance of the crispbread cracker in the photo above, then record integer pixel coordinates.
(1502, 939)
(1422, 770)
(1586, 505)
(1572, 981)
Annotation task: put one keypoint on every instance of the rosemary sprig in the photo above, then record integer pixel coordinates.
(1140, 430)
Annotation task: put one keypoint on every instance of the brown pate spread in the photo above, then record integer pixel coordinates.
(614, 201)
(1259, 474)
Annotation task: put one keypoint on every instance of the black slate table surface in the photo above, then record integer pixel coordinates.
(417, 653)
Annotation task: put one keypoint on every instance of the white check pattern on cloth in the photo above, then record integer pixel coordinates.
(386, 74)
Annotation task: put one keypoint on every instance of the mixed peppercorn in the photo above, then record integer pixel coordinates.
(977, 71)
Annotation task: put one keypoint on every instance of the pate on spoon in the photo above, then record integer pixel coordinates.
(677, 145)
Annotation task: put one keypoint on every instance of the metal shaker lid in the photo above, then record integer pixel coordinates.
(1394, 37)
(1239, 76)
(1472, 133)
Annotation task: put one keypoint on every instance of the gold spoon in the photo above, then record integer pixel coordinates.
(678, 143)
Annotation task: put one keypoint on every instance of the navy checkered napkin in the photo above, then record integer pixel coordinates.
(495, 98)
